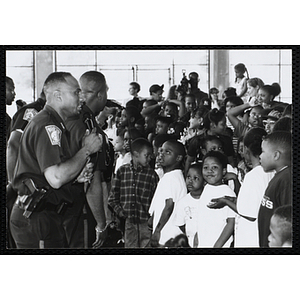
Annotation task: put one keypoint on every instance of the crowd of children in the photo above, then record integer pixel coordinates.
(197, 171)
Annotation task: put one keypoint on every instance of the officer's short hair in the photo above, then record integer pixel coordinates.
(8, 80)
(96, 77)
(55, 78)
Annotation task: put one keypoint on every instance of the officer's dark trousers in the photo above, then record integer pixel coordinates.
(41, 230)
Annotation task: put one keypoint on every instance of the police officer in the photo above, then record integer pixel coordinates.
(46, 164)
(10, 97)
(94, 94)
(18, 123)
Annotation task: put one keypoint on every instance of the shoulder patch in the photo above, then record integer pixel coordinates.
(29, 114)
(54, 134)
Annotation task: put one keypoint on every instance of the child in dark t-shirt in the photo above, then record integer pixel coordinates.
(276, 155)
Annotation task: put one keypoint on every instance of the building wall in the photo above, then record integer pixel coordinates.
(29, 69)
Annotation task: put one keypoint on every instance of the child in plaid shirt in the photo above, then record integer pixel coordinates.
(131, 194)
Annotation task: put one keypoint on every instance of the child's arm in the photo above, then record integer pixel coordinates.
(234, 112)
(114, 197)
(165, 216)
(226, 233)
(230, 202)
(232, 176)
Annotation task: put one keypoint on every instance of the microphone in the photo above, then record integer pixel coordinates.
(87, 119)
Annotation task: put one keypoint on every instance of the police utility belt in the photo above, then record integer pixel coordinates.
(35, 202)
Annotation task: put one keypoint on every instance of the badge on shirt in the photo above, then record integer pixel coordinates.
(29, 114)
(54, 134)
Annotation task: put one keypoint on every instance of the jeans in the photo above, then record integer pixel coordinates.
(136, 235)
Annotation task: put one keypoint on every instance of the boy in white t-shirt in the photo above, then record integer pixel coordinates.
(170, 189)
(187, 207)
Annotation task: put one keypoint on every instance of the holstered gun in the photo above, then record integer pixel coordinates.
(31, 202)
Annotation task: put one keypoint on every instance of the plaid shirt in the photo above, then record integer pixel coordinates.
(132, 191)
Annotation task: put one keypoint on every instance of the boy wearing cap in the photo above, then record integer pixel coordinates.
(271, 118)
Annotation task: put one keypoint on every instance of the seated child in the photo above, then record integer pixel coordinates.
(281, 227)
(187, 207)
(215, 227)
(170, 189)
(132, 192)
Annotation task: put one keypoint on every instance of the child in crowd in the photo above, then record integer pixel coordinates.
(171, 110)
(254, 118)
(230, 103)
(253, 86)
(157, 143)
(131, 194)
(214, 123)
(281, 227)
(129, 116)
(243, 167)
(140, 126)
(276, 155)
(189, 107)
(187, 207)
(213, 143)
(251, 192)
(126, 137)
(122, 153)
(195, 125)
(215, 227)
(229, 92)
(271, 118)
(267, 94)
(162, 124)
(170, 189)
(241, 80)
(213, 96)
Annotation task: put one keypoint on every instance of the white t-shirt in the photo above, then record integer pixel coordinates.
(187, 214)
(211, 222)
(171, 185)
(248, 203)
(122, 160)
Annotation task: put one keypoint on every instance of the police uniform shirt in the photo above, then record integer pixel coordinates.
(43, 144)
(77, 128)
(24, 115)
(278, 193)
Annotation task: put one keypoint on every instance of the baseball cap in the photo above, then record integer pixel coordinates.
(155, 88)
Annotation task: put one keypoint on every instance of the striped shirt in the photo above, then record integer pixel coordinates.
(132, 191)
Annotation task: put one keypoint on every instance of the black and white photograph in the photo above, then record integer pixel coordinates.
(132, 148)
(140, 134)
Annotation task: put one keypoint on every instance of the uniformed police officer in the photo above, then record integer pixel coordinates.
(46, 164)
(94, 94)
(18, 123)
(10, 97)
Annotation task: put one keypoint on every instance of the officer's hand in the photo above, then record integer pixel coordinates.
(92, 141)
